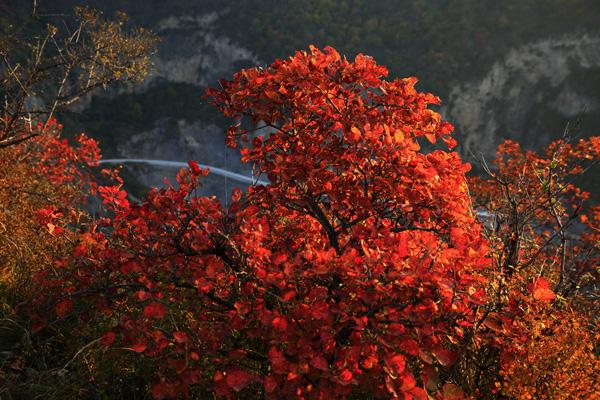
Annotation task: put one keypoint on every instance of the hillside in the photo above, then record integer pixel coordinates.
(510, 69)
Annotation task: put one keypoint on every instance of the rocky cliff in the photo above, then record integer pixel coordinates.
(529, 95)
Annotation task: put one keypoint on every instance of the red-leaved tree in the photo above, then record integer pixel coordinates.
(355, 271)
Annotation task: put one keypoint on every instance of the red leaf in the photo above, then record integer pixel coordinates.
(430, 378)
(355, 134)
(142, 295)
(108, 338)
(180, 337)
(242, 308)
(279, 258)
(270, 384)
(408, 382)
(155, 310)
(38, 326)
(140, 347)
(238, 379)
(194, 167)
(279, 323)
(493, 324)
(410, 347)
(319, 362)
(444, 357)
(346, 377)
(163, 390)
(396, 363)
(419, 393)
(277, 359)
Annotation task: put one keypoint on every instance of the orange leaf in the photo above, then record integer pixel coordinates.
(63, 307)
(452, 392)
(541, 290)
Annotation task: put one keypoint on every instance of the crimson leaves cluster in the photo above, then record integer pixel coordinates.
(357, 269)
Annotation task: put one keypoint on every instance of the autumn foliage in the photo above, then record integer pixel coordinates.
(43, 186)
(361, 270)
(541, 318)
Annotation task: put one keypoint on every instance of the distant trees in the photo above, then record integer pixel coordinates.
(441, 41)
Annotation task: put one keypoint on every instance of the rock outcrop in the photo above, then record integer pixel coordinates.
(528, 95)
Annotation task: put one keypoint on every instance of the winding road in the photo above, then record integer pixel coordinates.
(179, 164)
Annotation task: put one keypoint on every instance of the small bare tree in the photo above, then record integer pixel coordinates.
(43, 72)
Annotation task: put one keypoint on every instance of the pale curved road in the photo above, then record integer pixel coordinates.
(179, 164)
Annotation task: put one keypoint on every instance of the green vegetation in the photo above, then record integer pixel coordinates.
(438, 41)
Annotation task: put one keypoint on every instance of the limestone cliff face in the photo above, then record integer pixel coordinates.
(190, 52)
(529, 95)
